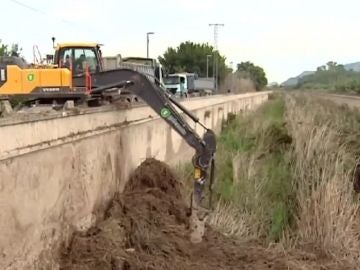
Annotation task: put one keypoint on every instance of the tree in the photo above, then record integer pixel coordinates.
(331, 65)
(192, 57)
(3, 49)
(13, 51)
(255, 73)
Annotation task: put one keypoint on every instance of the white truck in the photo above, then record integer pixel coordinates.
(178, 84)
(188, 84)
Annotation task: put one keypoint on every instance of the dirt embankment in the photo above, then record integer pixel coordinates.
(146, 227)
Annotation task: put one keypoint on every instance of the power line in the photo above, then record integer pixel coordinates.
(80, 24)
(37, 10)
(28, 7)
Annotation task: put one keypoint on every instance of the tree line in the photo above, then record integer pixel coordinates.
(9, 50)
(331, 76)
(199, 58)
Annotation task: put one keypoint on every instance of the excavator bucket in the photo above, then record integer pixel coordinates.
(201, 204)
(202, 196)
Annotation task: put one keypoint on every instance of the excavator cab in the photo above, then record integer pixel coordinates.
(79, 57)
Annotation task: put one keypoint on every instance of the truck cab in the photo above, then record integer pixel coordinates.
(180, 84)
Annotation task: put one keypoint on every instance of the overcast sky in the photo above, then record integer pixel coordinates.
(285, 37)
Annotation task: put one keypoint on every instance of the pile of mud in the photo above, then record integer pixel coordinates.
(146, 227)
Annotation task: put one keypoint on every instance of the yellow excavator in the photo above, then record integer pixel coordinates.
(94, 83)
(43, 84)
(76, 69)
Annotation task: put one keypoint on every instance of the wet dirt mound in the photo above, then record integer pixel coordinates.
(154, 174)
(146, 227)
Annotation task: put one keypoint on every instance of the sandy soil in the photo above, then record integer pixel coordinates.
(146, 227)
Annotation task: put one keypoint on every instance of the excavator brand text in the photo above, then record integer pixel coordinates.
(51, 89)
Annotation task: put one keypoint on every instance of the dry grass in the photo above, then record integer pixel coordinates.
(227, 219)
(327, 211)
(300, 191)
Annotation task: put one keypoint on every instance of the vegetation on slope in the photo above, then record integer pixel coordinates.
(285, 174)
(253, 170)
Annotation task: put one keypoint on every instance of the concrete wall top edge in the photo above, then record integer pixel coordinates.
(15, 138)
(192, 104)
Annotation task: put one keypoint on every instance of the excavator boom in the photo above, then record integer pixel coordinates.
(164, 105)
(99, 86)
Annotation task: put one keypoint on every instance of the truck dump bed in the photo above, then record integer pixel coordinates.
(142, 65)
(204, 84)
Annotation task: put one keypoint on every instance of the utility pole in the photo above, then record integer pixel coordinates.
(232, 76)
(216, 64)
(147, 43)
(207, 65)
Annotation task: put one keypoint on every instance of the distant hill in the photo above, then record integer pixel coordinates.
(353, 66)
(294, 80)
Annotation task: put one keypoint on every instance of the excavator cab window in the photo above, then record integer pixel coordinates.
(85, 57)
(79, 59)
(65, 59)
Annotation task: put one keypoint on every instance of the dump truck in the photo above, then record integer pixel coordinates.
(188, 84)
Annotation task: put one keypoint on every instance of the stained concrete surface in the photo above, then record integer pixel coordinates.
(57, 175)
